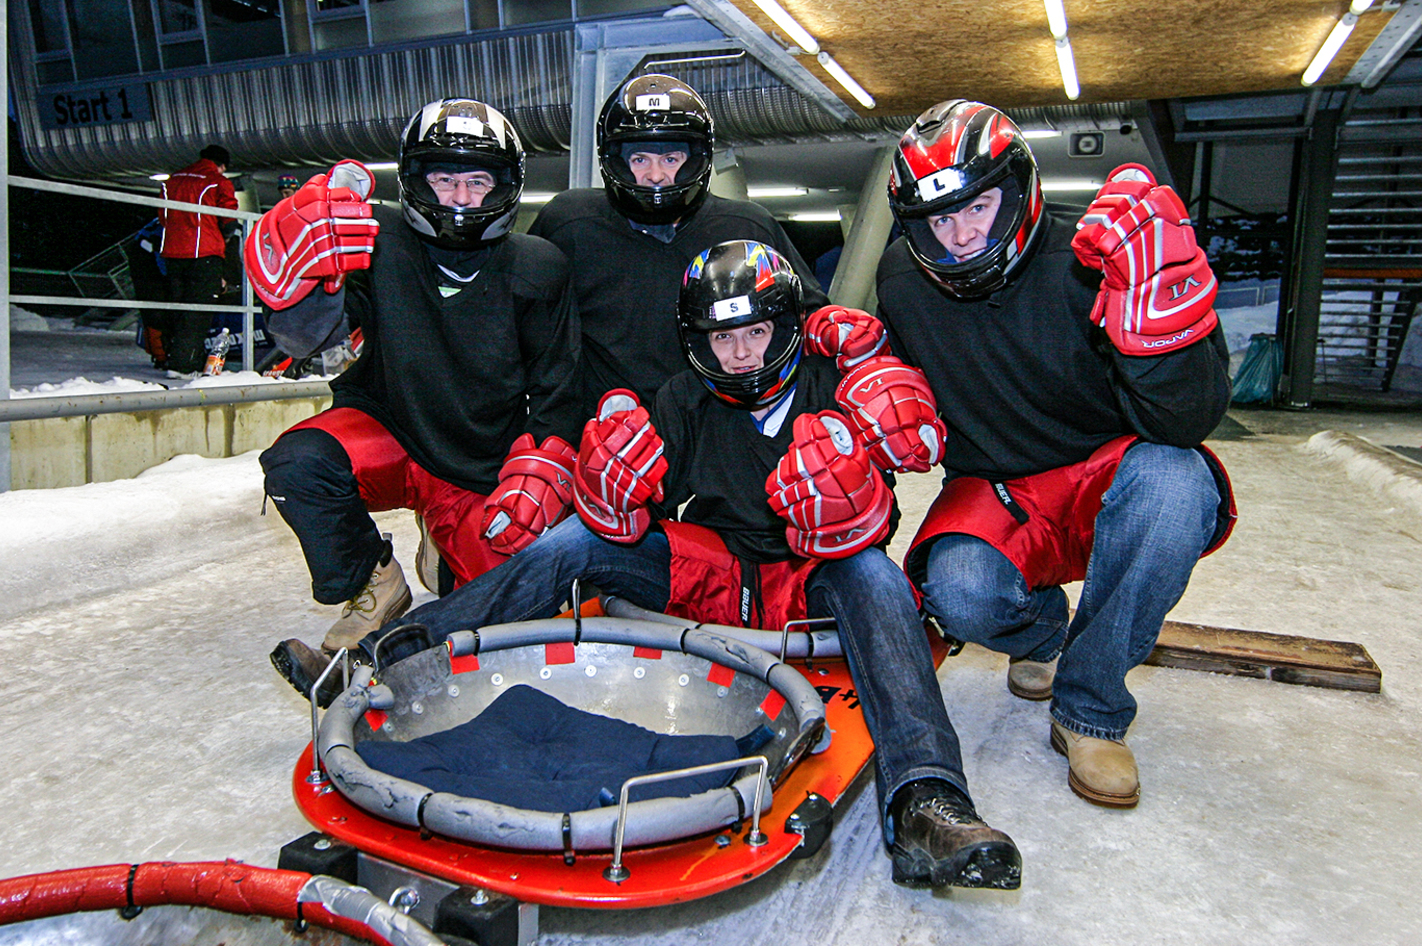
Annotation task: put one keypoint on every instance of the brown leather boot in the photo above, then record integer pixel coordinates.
(939, 841)
(1103, 771)
(1030, 679)
(384, 598)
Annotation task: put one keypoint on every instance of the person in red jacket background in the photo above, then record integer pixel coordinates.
(194, 249)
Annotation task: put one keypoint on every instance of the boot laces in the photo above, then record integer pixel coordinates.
(364, 601)
(945, 810)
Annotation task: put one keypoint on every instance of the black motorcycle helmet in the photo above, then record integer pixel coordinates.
(949, 156)
(658, 111)
(460, 135)
(739, 283)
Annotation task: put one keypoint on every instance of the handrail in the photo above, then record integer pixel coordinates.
(123, 197)
(83, 405)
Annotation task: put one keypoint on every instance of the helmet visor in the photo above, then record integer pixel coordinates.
(959, 234)
(425, 177)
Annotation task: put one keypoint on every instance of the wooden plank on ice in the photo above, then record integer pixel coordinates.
(1279, 657)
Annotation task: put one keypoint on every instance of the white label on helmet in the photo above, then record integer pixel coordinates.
(464, 125)
(731, 308)
(655, 102)
(940, 183)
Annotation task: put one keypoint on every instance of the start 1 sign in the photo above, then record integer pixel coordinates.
(94, 106)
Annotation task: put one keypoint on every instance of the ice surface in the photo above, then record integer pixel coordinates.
(144, 722)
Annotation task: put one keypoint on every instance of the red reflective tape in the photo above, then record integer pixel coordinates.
(721, 676)
(563, 653)
(647, 653)
(466, 664)
(375, 719)
(772, 704)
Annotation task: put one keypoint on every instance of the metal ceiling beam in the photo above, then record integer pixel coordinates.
(1390, 45)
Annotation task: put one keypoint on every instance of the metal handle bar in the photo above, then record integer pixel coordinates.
(785, 631)
(343, 656)
(617, 872)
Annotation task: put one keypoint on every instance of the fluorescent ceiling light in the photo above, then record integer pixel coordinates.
(1067, 64)
(383, 165)
(534, 197)
(786, 22)
(158, 177)
(1056, 18)
(1336, 38)
(1033, 133)
(844, 79)
(1068, 185)
(816, 216)
(775, 191)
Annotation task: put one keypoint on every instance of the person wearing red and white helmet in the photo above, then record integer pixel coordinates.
(1077, 366)
(463, 400)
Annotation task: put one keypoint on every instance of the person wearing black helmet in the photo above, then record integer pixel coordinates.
(630, 240)
(1075, 407)
(782, 515)
(465, 391)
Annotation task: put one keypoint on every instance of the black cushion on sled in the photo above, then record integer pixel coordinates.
(530, 750)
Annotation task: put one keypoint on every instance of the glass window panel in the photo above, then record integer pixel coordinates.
(337, 34)
(243, 29)
(176, 16)
(484, 14)
(396, 20)
(102, 34)
(47, 24)
(592, 8)
(519, 12)
(179, 55)
(55, 71)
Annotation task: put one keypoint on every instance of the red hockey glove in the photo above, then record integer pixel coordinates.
(837, 504)
(318, 234)
(893, 412)
(1158, 293)
(849, 336)
(534, 493)
(620, 469)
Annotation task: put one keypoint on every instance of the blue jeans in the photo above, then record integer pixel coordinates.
(879, 627)
(1156, 519)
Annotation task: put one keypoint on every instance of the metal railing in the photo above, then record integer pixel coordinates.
(83, 405)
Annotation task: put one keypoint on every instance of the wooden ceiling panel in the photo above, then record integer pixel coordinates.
(910, 54)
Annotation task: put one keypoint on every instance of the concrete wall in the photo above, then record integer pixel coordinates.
(71, 451)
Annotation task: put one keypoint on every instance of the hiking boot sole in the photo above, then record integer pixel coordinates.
(1024, 693)
(1084, 791)
(292, 670)
(994, 865)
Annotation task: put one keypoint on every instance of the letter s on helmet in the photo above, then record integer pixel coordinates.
(952, 153)
(460, 135)
(655, 109)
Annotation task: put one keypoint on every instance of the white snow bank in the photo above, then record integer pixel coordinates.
(23, 320)
(1388, 474)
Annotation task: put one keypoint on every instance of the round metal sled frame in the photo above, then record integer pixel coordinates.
(667, 674)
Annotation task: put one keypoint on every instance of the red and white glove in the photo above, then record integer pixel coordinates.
(849, 336)
(316, 235)
(837, 504)
(534, 494)
(620, 469)
(1158, 293)
(893, 412)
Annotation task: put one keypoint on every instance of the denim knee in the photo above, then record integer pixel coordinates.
(1175, 486)
(973, 589)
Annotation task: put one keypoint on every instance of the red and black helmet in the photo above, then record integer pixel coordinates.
(951, 156)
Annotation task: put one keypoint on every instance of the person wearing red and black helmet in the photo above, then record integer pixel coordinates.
(630, 240)
(463, 400)
(1074, 407)
(742, 498)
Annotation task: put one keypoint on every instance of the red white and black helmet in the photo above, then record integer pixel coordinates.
(952, 154)
(459, 135)
(655, 113)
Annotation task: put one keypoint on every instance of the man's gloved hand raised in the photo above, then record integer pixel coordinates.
(892, 410)
(836, 502)
(534, 494)
(1158, 293)
(620, 469)
(316, 235)
(849, 336)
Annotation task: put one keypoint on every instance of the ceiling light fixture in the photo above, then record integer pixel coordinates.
(786, 22)
(383, 166)
(845, 79)
(816, 216)
(1033, 133)
(1336, 38)
(1059, 186)
(776, 191)
(158, 177)
(535, 197)
(1066, 62)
